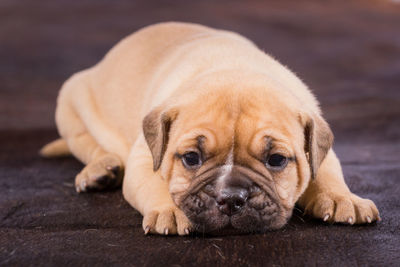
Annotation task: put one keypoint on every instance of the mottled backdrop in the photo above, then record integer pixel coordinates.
(348, 52)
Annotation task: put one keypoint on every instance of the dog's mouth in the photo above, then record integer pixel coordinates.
(259, 212)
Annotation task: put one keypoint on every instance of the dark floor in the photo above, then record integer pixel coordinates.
(347, 51)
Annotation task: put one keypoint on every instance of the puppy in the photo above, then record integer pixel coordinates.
(205, 132)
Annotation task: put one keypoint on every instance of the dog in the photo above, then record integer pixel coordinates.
(205, 132)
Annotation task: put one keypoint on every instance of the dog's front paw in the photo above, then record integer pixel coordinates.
(102, 173)
(165, 221)
(342, 208)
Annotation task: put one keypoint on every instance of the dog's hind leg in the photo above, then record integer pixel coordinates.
(103, 169)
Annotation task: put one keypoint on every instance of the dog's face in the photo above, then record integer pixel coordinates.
(235, 159)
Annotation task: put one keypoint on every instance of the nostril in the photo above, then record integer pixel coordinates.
(220, 200)
(238, 203)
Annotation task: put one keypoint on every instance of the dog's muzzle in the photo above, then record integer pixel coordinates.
(242, 201)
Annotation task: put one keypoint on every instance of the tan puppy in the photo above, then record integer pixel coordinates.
(212, 134)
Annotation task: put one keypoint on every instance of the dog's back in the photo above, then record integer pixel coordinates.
(150, 65)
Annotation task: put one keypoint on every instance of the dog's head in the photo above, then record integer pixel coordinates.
(237, 155)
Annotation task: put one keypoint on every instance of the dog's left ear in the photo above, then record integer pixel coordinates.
(156, 126)
(318, 140)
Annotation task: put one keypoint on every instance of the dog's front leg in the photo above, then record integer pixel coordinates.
(328, 197)
(147, 192)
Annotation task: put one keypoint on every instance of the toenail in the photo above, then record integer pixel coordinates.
(83, 186)
(326, 217)
(146, 230)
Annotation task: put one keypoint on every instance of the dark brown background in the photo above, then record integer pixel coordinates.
(347, 51)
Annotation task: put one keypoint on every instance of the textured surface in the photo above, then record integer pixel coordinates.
(349, 54)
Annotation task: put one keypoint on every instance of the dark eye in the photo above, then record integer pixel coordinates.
(191, 160)
(277, 160)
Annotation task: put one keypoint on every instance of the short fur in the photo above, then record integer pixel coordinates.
(172, 88)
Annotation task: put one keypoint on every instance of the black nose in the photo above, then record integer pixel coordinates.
(231, 200)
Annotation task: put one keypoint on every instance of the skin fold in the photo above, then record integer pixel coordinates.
(172, 93)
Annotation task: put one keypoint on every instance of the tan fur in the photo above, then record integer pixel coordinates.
(57, 148)
(187, 81)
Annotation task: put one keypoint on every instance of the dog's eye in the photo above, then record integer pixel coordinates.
(277, 160)
(191, 160)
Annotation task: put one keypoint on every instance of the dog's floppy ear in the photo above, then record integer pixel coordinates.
(156, 126)
(318, 141)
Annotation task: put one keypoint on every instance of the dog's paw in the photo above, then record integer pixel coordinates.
(345, 208)
(166, 221)
(105, 172)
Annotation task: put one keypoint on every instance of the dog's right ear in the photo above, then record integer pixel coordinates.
(318, 141)
(156, 126)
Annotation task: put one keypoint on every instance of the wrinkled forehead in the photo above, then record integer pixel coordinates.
(209, 127)
(218, 125)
